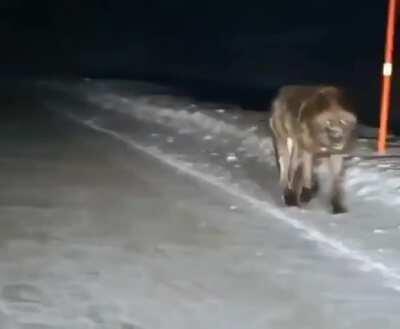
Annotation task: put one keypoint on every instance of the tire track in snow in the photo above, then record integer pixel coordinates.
(390, 276)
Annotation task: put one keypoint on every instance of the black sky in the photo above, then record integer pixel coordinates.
(237, 44)
(193, 31)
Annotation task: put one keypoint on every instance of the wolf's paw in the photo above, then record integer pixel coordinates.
(338, 207)
(306, 195)
(290, 198)
(314, 188)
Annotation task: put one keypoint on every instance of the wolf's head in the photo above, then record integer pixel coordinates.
(334, 129)
(331, 122)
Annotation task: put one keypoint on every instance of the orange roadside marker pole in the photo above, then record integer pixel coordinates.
(387, 76)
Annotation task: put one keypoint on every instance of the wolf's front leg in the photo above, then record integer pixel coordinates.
(337, 193)
(293, 179)
(289, 195)
(307, 171)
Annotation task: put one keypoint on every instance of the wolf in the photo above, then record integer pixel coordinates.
(311, 125)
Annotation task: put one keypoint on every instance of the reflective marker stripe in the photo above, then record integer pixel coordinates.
(387, 69)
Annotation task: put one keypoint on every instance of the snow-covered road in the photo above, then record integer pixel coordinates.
(123, 206)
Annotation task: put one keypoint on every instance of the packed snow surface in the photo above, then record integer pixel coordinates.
(126, 206)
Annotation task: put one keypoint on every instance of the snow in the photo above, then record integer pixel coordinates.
(192, 120)
(170, 139)
(390, 275)
(364, 182)
(231, 157)
(155, 234)
(369, 181)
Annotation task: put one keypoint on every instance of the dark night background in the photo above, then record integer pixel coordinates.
(241, 51)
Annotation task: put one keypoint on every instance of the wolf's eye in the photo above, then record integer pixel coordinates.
(343, 122)
(328, 123)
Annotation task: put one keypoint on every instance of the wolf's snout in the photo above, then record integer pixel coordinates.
(336, 133)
